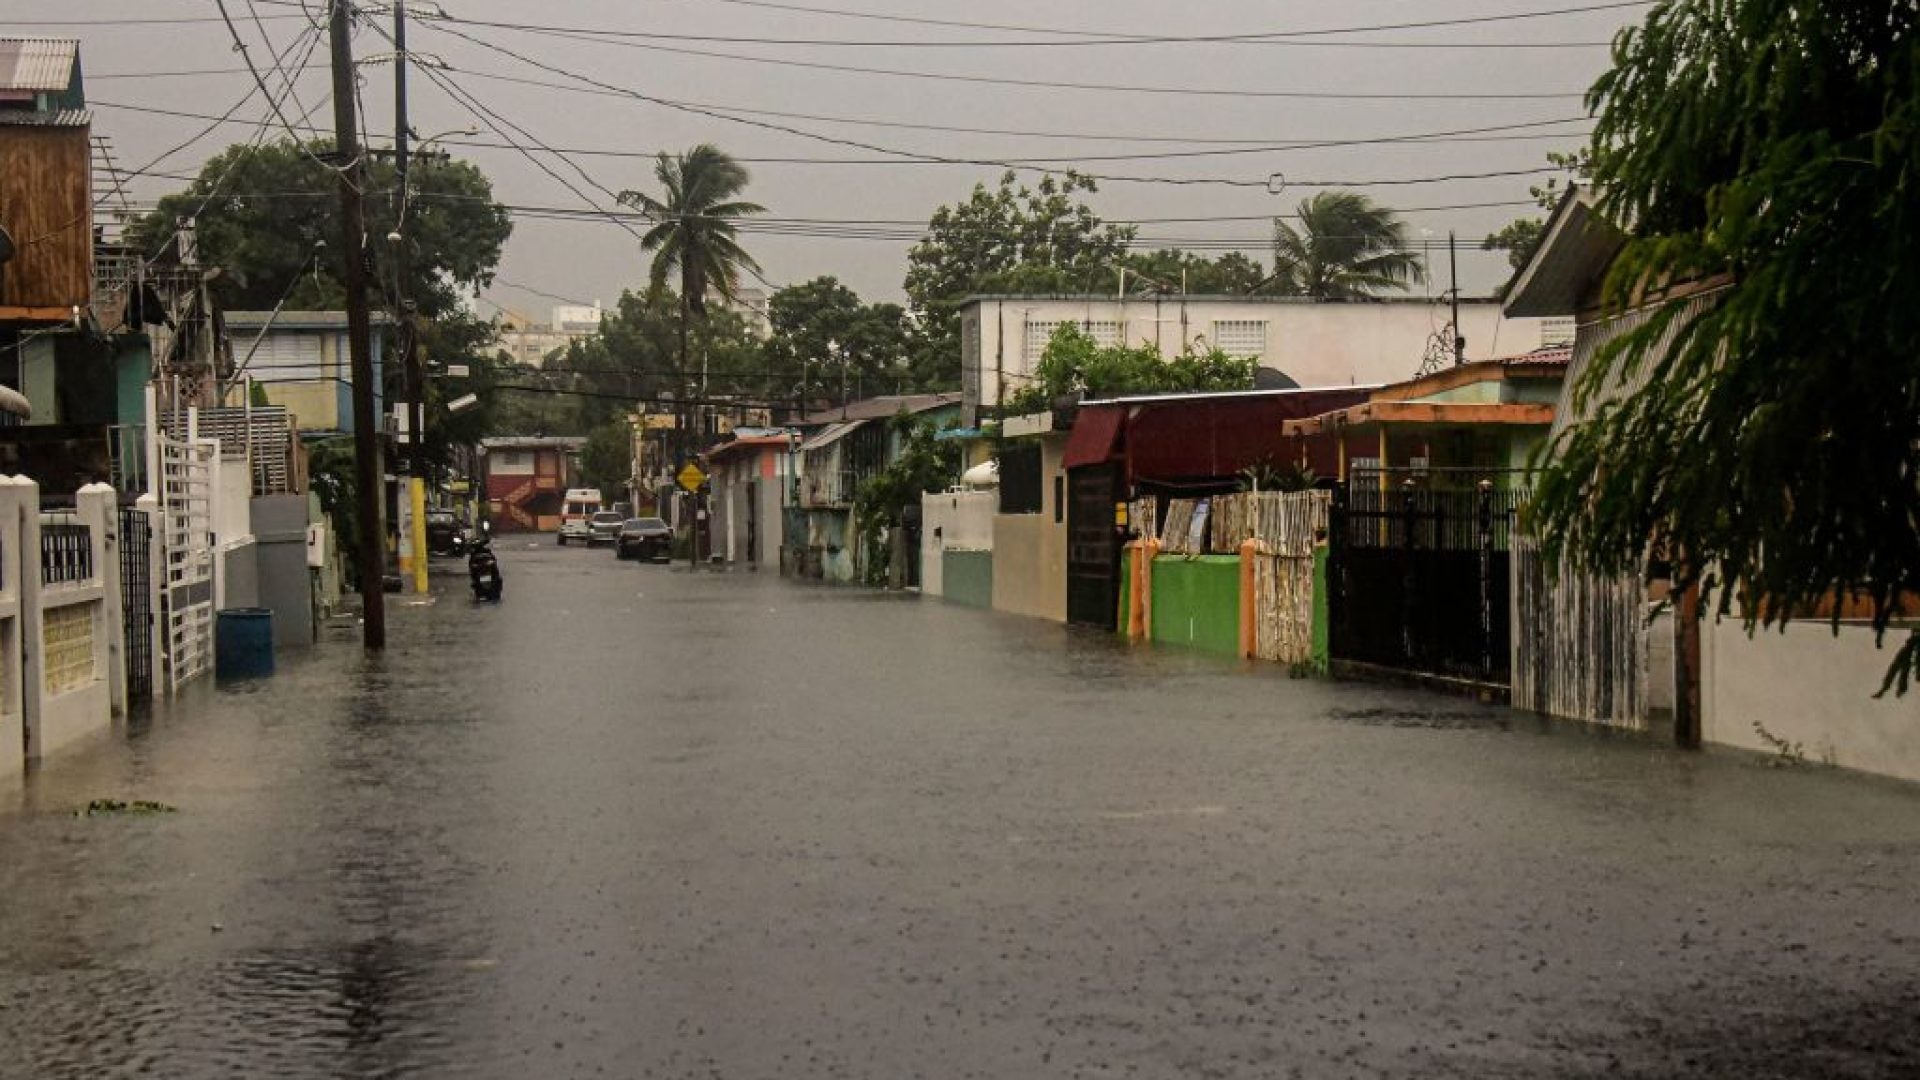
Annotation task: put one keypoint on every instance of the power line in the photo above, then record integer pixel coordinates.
(840, 141)
(1086, 39)
(953, 23)
(994, 80)
(1439, 138)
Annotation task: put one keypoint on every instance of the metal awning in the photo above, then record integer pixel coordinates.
(1095, 432)
(831, 434)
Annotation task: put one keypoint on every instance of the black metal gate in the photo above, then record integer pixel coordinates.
(1418, 579)
(136, 600)
(1093, 546)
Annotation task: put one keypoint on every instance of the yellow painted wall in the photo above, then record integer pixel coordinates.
(313, 404)
(1030, 566)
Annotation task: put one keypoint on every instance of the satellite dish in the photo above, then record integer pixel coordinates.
(7, 249)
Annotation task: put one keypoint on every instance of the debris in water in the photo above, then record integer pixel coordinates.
(102, 807)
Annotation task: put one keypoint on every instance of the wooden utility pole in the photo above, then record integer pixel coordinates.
(1453, 271)
(353, 257)
(412, 493)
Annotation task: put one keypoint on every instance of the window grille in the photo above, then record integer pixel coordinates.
(1241, 337)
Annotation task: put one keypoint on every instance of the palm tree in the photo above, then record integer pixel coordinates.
(1345, 248)
(695, 227)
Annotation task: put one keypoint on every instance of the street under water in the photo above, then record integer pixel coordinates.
(642, 822)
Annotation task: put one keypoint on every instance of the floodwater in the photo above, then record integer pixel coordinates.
(640, 822)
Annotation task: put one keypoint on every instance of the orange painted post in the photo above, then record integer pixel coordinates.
(1135, 600)
(1148, 551)
(1248, 635)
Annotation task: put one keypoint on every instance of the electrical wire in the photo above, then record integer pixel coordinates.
(944, 159)
(1440, 138)
(442, 25)
(958, 24)
(240, 46)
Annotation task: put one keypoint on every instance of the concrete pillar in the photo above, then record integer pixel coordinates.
(23, 511)
(149, 506)
(99, 508)
(17, 497)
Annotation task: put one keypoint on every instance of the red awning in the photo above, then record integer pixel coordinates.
(1095, 431)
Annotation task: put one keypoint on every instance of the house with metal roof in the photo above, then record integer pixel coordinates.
(299, 361)
(845, 447)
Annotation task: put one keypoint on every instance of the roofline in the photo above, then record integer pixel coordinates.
(1225, 395)
(1211, 298)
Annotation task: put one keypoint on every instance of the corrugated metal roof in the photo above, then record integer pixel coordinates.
(882, 407)
(58, 118)
(833, 433)
(37, 64)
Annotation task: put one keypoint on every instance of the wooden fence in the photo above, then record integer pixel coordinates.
(1579, 642)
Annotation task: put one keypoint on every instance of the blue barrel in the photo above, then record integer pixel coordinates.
(243, 643)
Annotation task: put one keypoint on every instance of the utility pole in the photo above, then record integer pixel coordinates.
(413, 487)
(1453, 271)
(353, 256)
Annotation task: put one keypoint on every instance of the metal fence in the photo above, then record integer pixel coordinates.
(66, 550)
(1419, 579)
(136, 599)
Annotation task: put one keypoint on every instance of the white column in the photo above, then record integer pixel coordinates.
(24, 512)
(156, 589)
(13, 758)
(98, 507)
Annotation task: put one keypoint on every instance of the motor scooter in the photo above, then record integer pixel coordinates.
(483, 569)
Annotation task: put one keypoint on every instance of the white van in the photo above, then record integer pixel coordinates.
(576, 517)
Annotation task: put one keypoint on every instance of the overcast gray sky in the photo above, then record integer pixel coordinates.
(1246, 86)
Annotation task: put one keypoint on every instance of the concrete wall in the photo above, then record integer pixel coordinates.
(75, 678)
(1196, 602)
(314, 405)
(952, 521)
(968, 577)
(1030, 565)
(1808, 686)
(1318, 344)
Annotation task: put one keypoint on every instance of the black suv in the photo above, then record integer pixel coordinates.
(644, 538)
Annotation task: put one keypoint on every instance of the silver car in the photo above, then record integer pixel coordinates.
(604, 528)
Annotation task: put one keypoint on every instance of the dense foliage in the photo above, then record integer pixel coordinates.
(696, 227)
(1775, 447)
(1344, 248)
(925, 464)
(261, 214)
(820, 325)
(1076, 364)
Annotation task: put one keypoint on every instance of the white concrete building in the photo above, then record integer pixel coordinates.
(531, 343)
(1315, 343)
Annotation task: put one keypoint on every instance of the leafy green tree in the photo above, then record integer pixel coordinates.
(632, 358)
(1345, 248)
(925, 464)
(819, 324)
(606, 462)
(1012, 238)
(1773, 444)
(696, 233)
(1074, 363)
(1518, 238)
(1171, 270)
(1521, 237)
(268, 218)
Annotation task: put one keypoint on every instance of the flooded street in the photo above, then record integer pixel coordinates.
(638, 822)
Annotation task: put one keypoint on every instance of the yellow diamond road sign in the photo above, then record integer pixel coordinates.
(691, 477)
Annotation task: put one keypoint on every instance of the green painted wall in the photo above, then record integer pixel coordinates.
(133, 366)
(967, 577)
(1321, 635)
(1196, 602)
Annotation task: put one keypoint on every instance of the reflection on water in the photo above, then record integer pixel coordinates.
(643, 822)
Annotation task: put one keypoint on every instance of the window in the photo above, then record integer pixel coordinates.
(1241, 337)
(512, 461)
(1020, 478)
(281, 356)
(1105, 332)
(1038, 334)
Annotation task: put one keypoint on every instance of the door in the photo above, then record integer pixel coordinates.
(1093, 546)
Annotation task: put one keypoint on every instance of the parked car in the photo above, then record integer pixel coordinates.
(644, 538)
(603, 528)
(445, 534)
